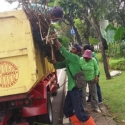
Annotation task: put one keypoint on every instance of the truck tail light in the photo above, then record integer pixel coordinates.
(20, 103)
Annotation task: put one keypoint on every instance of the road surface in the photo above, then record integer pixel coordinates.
(57, 101)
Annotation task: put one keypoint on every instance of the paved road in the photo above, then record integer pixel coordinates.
(57, 101)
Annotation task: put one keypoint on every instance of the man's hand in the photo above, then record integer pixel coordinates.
(54, 61)
(54, 35)
(96, 79)
(55, 40)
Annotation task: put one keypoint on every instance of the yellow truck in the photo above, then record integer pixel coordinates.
(26, 77)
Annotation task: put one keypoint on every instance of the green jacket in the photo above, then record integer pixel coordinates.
(73, 62)
(90, 69)
(94, 56)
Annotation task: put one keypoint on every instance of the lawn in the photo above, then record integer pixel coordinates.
(113, 92)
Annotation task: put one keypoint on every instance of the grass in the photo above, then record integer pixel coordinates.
(113, 92)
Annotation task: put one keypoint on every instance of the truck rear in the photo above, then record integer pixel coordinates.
(27, 79)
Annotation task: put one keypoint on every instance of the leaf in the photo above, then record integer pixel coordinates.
(64, 41)
(104, 34)
(110, 27)
(93, 41)
(56, 3)
(120, 33)
(108, 34)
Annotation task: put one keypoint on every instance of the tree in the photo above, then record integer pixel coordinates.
(70, 8)
(116, 12)
(63, 29)
(97, 9)
(92, 11)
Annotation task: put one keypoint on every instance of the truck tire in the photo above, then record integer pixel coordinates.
(47, 118)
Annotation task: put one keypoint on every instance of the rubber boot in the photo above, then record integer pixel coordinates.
(75, 120)
(90, 121)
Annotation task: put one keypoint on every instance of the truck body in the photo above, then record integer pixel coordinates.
(27, 79)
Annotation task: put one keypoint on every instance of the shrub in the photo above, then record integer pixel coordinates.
(99, 56)
(118, 64)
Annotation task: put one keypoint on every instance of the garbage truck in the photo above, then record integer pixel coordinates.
(27, 79)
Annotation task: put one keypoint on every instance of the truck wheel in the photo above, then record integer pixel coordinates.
(47, 118)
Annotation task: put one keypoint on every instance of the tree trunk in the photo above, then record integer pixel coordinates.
(77, 35)
(105, 64)
(71, 21)
(106, 68)
(87, 32)
(98, 33)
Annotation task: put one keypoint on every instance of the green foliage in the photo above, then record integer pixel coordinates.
(110, 27)
(93, 41)
(118, 64)
(113, 50)
(69, 6)
(103, 33)
(80, 27)
(114, 36)
(63, 33)
(56, 3)
(113, 92)
(99, 56)
(116, 12)
(62, 29)
(64, 41)
(51, 4)
(120, 33)
(109, 33)
(57, 26)
(116, 50)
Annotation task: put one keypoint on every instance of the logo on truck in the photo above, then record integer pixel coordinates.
(9, 74)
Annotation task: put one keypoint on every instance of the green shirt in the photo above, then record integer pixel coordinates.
(94, 56)
(73, 62)
(90, 69)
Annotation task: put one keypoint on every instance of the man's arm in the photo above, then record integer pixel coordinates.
(58, 44)
(54, 61)
(96, 67)
(60, 65)
(96, 70)
(68, 55)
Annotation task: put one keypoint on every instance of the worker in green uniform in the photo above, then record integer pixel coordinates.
(73, 106)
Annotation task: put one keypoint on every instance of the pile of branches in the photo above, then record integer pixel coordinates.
(40, 19)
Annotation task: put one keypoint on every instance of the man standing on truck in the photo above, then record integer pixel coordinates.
(56, 13)
(73, 106)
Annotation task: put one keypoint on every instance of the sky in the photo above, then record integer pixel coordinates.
(5, 6)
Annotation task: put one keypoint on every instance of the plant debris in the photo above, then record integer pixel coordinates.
(40, 19)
